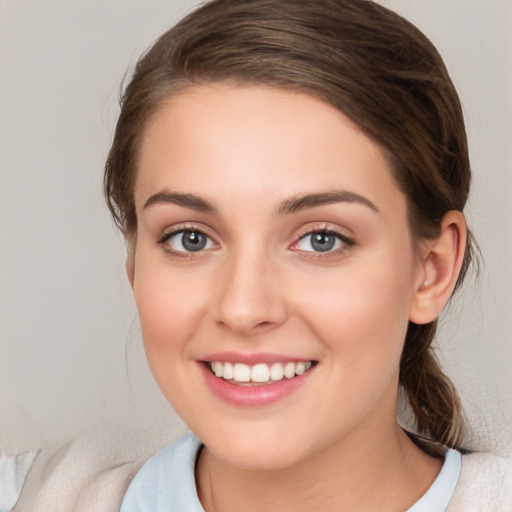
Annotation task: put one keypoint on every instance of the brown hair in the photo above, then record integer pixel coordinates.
(365, 60)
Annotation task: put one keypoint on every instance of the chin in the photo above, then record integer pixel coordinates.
(256, 450)
(255, 459)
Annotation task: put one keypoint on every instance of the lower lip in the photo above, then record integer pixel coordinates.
(252, 395)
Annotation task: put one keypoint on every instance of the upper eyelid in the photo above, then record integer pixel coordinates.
(324, 227)
(329, 231)
(344, 239)
(182, 227)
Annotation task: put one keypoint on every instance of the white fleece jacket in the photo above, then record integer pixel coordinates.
(485, 485)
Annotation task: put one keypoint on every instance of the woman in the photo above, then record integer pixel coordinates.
(290, 178)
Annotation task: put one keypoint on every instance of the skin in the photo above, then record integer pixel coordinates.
(259, 286)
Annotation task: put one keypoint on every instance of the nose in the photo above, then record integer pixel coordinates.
(250, 297)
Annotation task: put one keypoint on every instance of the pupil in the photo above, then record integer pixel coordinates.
(322, 242)
(193, 241)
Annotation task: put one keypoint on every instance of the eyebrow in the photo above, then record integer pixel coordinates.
(292, 205)
(306, 201)
(190, 201)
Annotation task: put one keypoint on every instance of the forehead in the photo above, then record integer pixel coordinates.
(258, 142)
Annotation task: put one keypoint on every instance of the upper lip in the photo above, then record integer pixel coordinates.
(252, 358)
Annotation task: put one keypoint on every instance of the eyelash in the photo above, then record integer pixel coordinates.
(346, 242)
(166, 236)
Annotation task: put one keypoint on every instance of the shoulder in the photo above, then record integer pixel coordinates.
(79, 476)
(105, 490)
(485, 484)
(87, 474)
(166, 480)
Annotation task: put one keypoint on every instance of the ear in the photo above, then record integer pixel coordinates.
(130, 268)
(130, 263)
(439, 269)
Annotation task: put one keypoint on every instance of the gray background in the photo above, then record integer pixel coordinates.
(71, 361)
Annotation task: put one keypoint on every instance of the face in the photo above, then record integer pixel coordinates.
(272, 246)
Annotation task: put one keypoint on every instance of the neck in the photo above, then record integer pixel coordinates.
(382, 472)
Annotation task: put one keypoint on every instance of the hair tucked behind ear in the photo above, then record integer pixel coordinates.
(363, 59)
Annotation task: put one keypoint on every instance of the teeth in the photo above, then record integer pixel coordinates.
(276, 371)
(228, 371)
(260, 373)
(300, 369)
(217, 369)
(241, 372)
(289, 370)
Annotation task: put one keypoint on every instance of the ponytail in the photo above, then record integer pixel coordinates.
(432, 396)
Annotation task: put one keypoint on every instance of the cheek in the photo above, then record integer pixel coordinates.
(361, 319)
(361, 313)
(169, 305)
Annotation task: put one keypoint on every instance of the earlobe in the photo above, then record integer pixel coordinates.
(440, 267)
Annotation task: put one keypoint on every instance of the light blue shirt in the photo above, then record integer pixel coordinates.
(166, 482)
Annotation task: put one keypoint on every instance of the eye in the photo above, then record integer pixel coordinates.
(323, 241)
(187, 240)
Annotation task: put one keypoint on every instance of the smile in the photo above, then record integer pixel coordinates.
(258, 381)
(260, 373)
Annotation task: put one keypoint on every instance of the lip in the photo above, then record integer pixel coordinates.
(256, 395)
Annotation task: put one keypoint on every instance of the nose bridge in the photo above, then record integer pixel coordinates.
(249, 296)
